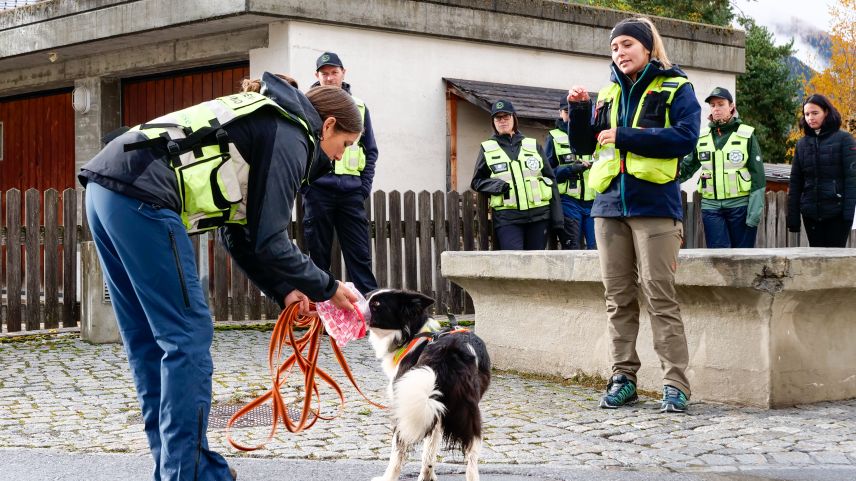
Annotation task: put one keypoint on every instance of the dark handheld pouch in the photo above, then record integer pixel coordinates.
(602, 114)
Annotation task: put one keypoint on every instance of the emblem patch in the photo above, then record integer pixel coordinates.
(533, 163)
(735, 157)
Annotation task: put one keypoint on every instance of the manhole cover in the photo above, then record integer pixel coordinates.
(221, 413)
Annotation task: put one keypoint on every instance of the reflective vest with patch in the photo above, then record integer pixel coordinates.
(529, 188)
(212, 174)
(724, 173)
(354, 159)
(609, 161)
(577, 186)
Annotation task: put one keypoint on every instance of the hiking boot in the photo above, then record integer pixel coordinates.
(674, 400)
(619, 392)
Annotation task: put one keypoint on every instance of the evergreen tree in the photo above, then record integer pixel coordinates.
(767, 92)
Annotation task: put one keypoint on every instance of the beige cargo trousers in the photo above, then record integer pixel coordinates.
(634, 252)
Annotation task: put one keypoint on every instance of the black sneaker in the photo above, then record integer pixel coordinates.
(619, 392)
(674, 400)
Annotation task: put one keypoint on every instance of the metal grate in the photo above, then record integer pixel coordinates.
(105, 295)
(261, 416)
(221, 413)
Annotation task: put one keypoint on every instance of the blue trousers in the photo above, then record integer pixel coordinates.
(325, 212)
(726, 228)
(579, 213)
(531, 236)
(150, 271)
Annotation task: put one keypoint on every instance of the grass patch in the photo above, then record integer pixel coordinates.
(261, 327)
(580, 379)
(48, 338)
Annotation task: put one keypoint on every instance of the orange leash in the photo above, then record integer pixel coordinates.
(282, 336)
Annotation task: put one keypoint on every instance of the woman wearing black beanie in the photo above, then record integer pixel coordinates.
(645, 119)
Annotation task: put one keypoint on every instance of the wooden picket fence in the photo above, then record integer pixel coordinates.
(40, 233)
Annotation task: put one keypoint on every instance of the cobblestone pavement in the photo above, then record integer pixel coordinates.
(61, 393)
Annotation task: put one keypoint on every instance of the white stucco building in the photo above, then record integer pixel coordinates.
(397, 54)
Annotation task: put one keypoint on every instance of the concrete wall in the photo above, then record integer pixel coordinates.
(765, 327)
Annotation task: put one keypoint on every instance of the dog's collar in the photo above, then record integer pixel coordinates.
(430, 332)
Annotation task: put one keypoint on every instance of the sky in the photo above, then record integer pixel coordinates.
(785, 18)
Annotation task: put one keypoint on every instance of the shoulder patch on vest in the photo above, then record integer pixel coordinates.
(670, 84)
(745, 131)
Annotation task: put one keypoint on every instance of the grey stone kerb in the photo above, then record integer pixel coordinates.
(765, 327)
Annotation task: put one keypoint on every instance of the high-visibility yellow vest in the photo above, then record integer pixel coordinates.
(354, 159)
(576, 188)
(529, 188)
(212, 174)
(724, 173)
(607, 163)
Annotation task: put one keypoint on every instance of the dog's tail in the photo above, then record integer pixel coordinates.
(416, 406)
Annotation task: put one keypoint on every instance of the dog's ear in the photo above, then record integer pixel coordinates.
(421, 300)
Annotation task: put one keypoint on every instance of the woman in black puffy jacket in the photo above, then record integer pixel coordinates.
(823, 176)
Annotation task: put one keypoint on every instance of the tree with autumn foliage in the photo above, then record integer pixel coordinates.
(838, 82)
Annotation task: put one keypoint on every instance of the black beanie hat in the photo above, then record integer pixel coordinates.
(636, 29)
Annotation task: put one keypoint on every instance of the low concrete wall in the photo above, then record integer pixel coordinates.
(765, 327)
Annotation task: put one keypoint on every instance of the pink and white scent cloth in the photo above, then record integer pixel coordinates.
(344, 326)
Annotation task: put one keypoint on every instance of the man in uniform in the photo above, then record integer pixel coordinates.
(336, 201)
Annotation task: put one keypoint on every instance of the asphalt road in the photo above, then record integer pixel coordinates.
(44, 465)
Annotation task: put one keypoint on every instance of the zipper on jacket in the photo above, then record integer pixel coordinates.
(184, 293)
(624, 121)
(816, 160)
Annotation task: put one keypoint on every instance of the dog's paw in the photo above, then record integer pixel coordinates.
(429, 477)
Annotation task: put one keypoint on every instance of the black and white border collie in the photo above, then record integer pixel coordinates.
(436, 381)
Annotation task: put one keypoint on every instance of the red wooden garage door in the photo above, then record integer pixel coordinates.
(37, 144)
(146, 98)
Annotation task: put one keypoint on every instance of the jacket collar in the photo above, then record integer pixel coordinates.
(509, 139)
(652, 70)
(726, 128)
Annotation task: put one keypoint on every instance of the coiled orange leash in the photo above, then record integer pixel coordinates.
(283, 335)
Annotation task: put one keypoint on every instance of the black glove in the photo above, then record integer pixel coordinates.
(563, 174)
(793, 223)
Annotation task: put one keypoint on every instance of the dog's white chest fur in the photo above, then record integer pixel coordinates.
(382, 341)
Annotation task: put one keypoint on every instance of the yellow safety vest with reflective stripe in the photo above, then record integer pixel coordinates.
(579, 186)
(354, 159)
(529, 188)
(608, 159)
(212, 174)
(724, 173)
